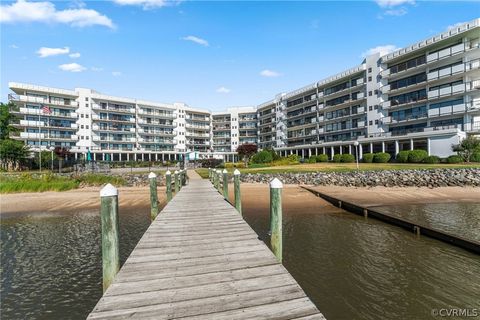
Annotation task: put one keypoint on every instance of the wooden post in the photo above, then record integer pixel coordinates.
(110, 240)
(177, 187)
(276, 217)
(168, 184)
(215, 179)
(236, 187)
(153, 196)
(225, 184)
(210, 174)
(219, 177)
(184, 176)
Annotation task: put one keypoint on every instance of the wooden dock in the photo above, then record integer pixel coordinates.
(200, 260)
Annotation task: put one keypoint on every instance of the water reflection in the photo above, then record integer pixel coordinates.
(51, 265)
(462, 219)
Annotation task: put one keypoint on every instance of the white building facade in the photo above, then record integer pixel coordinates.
(425, 96)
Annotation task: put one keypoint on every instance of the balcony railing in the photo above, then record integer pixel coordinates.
(447, 91)
(448, 52)
(23, 98)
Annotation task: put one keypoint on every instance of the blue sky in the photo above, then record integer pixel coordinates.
(207, 54)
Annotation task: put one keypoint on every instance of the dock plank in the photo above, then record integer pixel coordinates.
(200, 260)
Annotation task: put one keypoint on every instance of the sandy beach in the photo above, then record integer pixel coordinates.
(88, 199)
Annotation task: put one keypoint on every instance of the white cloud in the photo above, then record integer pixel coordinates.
(383, 50)
(44, 11)
(197, 40)
(116, 73)
(96, 69)
(269, 73)
(393, 3)
(74, 55)
(44, 52)
(72, 67)
(223, 90)
(146, 4)
(396, 12)
(13, 46)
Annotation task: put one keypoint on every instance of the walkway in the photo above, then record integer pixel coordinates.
(200, 260)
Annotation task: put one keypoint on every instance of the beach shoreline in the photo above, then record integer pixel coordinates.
(131, 198)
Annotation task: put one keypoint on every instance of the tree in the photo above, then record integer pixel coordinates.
(62, 153)
(467, 147)
(12, 154)
(6, 120)
(245, 151)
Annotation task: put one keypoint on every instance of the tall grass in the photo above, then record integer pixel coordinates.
(100, 179)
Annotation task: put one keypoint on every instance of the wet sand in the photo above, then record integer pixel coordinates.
(383, 196)
(88, 199)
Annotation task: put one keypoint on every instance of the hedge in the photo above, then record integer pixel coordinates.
(402, 156)
(322, 158)
(454, 159)
(262, 157)
(312, 160)
(417, 156)
(367, 157)
(381, 157)
(432, 159)
(475, 157)
(347, 158)
(337, 158)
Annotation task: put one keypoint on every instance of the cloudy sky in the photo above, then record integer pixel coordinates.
(207, 54)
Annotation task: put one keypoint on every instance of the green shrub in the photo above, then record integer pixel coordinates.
(367, 157)
(337, 158)
(432, 159)
(312, 160)
(322, 158)
(475, 157)
(402, 156)
(347, 158)
(263, 156)
(417, 156)
(381, 157)
(454, 159)
(290, 160)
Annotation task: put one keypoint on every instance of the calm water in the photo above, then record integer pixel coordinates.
(462, 219)
(352, 268)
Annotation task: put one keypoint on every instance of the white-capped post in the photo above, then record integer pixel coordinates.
(168, 185)
(152, 177)
(236, 187)
(276, 187)
(110, 234)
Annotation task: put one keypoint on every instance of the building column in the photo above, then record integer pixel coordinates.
(316, 151)
(397, 148)
(135, 156)
(111, 157)
(371, 147)
(411, 144)
(360, 151)
(383, 146)
(428, 147)
(309, 152)
(76, 156)
(143, 157)
(94, 157)
(324, 150)
(333, 152)
(303, 153)
(163, 157)
(341, 149)
(350, 148)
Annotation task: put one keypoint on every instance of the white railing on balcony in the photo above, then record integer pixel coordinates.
(30, 123)
(32, 135)
(457, 108)
(472, 65)
(361, 124)
(23, 98)
(458, 88)
(446, 52)
(446, 72)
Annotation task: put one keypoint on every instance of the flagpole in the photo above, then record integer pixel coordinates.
(39, 143)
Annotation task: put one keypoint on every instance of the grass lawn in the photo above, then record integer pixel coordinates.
(343, 167)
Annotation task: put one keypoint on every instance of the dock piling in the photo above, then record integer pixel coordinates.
(153, 196)
(219, 180)
(236, 187)
(177, 187)
(225, 184)
(276, 187)
(110, 239)
(168, 184)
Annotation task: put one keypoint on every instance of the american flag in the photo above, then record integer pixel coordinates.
(46, 109)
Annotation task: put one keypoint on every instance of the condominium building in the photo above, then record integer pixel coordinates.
(426, 96)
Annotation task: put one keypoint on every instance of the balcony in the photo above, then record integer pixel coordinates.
(30, 123)
(110, 108)
(22, 98)
(447, 110)
(446, 72)
(447, 91)
(448, 52)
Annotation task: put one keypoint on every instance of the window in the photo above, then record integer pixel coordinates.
(86, 105)
(369, 78)
(376, 121)
(82, 115)
(369, 70)
(86, 127)
(86, 98)
(408, 97)
(369, 93)
(87, 137)
(86, 116)
(370, 108)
